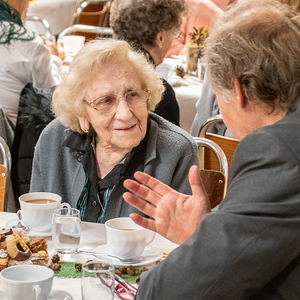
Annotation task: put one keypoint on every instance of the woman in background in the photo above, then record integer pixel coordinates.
(23, 58)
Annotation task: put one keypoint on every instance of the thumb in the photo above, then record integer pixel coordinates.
(196, 183)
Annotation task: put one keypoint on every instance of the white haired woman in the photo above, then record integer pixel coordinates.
(104, 132)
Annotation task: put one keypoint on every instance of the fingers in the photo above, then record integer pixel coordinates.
(144, 222)
(140, 204)
(153, 183)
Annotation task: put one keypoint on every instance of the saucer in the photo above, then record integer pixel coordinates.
(12, 222)
(54, 295)
(149, 256)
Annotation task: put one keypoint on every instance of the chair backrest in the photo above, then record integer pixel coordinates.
(45, 24)
(227, 144)
(84, 28)
(4, 172)
(92, 13)
(215, 182)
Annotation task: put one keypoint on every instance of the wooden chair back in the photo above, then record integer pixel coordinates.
(227, 144)
(92, 13)
(215, 181)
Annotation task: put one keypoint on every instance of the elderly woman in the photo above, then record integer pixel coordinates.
(24, 58)
(150, 27)
(104, 132)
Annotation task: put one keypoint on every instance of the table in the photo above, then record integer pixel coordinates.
(92, 235)
(187, 90)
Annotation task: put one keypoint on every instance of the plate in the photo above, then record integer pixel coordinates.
(149, 256)
(54, 295)
(12, 222)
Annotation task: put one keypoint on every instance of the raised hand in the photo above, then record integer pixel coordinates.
(176, 215)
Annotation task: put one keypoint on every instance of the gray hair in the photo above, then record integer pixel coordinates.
(256, 42)
(67, 100)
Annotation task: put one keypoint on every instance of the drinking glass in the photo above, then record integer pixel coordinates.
(66, 228)
(97, 281)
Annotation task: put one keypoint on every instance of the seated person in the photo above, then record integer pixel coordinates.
(249, 247)
(104, 132)
(150, 27)
(24, 58)
(207, 105)
(201, 13)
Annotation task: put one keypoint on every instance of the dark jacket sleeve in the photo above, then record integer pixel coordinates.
(249, 248)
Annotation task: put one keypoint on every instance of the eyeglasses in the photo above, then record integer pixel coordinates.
(109, 103)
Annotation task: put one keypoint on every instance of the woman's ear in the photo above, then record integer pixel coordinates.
(242, 99)
(159, 39)
(84, 124)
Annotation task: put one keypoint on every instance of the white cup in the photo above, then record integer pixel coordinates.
(72, 44)
(164, 70)
(126, 239)
(38, 216)
(26, 282)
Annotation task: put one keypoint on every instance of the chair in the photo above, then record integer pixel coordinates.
(215, 182)
(93, 13)
(227, 144)
(43, 22)
(4, 173)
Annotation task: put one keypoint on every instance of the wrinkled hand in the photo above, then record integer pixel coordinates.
(176, 215)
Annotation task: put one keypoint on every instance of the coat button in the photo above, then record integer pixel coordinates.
(94, 203)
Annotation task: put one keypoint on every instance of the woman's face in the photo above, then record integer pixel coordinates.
(124, 128)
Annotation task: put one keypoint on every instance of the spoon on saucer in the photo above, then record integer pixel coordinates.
(20, 224)
(98, 254)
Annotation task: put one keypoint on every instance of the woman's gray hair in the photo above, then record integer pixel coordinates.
(256, 42)
(139, 21)
(90, 61)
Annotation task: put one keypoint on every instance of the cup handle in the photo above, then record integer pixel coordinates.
(65, 204)
(151, 236)
(38, 292)
(19, 215)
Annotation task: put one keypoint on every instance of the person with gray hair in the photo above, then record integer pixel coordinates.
(150, 26)
(249, 247)
(104, 132)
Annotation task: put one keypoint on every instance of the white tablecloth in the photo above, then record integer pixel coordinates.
(187, 90)
(92, 235)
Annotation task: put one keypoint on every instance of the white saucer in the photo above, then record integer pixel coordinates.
(149, 256)
(54, 295)
(12, 222)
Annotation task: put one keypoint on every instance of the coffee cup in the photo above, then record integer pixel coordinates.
(37, 210)
(72, 44)
(126, 239)
(26, 282)
(164, 70)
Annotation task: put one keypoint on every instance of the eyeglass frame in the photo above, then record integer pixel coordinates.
(92, 103)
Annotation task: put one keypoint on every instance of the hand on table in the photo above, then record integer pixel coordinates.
(176, 215)
(51, 47)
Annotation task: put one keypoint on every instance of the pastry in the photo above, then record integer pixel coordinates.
(17, 249)
(3, 259)
(40, 258)
(37, 244)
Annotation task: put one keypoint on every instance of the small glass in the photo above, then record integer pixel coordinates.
(193, 52)
(66, 229)
(97, 281)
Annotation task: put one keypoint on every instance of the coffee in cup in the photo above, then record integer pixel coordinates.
(126, 239)
(26, 282)
(37, 210)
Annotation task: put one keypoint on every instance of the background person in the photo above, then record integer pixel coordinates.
(150, 26)
(104, 132)
(248, 249)
(24, 58)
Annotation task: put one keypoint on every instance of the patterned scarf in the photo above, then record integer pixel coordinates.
(11, 26)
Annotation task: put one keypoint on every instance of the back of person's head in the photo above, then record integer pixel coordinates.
(139, 21)
(256, 42)
(94, 58)
(294, 4)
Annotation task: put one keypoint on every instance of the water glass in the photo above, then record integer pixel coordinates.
(97, 281)
(66, 229)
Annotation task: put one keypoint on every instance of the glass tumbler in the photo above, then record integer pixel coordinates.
(66, 229)
(97, 281)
